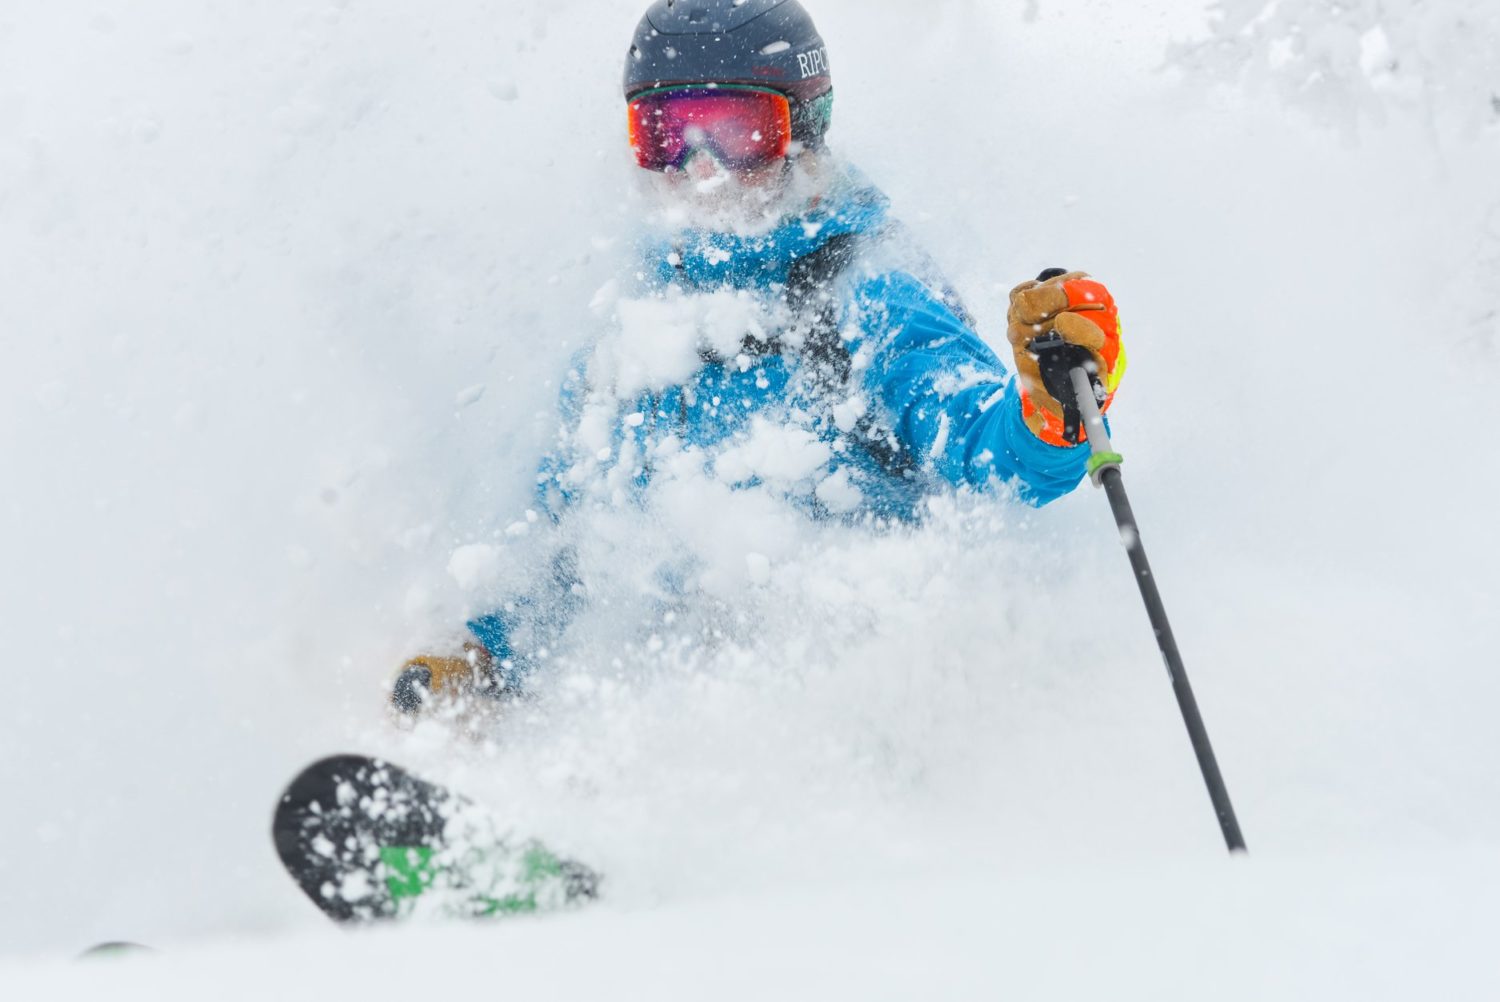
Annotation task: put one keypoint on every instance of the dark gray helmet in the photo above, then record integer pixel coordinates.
(765, 43)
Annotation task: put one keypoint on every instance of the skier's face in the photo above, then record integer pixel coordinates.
(705, 175)
(705, 194)
(715, 148)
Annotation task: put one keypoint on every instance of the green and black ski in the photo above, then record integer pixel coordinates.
(366, 841)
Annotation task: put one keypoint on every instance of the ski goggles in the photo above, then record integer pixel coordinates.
(743, 127)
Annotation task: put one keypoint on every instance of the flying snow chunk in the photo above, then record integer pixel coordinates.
(475, 565)
(759, 567)
(847, 414)
(660, 339)
(777, 454)
(356, 886)
(940, 440)
(605, 297)
(469, 397)
(838, 494)
(416, 537)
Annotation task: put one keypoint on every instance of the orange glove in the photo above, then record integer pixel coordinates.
(1081, 312)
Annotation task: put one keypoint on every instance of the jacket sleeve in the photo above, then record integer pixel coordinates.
(555, 491)
(947, 397)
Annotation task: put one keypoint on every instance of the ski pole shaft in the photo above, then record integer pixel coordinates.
(1104, 467)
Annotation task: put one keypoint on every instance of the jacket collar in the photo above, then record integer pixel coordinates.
(700, 258)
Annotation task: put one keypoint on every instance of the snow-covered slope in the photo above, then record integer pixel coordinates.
(286, 295)
(1393, 927)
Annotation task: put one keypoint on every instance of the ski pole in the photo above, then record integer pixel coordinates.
(1104, 470)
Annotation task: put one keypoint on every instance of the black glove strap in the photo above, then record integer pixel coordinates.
(1057, 359)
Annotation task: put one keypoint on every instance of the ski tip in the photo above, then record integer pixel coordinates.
(318, 783)
(320, 771)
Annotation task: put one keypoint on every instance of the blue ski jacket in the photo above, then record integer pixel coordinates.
(876, 364)
(874, 389)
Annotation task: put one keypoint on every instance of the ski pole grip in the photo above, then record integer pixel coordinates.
(1104, 455)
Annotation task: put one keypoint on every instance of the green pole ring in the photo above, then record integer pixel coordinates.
(1101, 461)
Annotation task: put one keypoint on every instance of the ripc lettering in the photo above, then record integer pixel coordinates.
(813, 63)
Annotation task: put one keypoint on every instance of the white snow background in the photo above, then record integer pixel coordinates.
(285, 290)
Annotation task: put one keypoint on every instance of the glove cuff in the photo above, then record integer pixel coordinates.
(1049, 427)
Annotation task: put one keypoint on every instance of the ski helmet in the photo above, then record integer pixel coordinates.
(763, 43)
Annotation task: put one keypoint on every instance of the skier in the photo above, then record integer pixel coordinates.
(856, 344)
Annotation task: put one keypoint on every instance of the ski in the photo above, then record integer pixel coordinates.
(368, 841)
